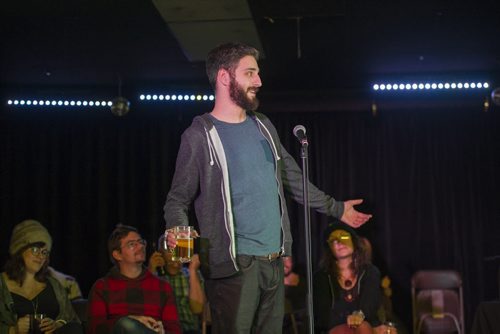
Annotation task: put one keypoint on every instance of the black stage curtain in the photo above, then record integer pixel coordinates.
(430, 177)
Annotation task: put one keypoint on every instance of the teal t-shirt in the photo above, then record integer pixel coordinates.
(253, 185)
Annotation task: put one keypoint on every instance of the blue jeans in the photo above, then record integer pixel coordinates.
(251, 301)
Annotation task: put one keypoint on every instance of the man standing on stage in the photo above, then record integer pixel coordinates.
(232, 165)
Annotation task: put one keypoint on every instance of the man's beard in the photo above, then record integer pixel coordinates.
(239, 96)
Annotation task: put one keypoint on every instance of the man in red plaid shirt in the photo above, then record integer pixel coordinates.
(129, 299)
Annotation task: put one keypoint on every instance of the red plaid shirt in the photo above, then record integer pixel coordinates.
(115, 296)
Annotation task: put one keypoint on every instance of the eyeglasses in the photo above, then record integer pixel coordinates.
(131, 244)
(339, 239)
(37, 251)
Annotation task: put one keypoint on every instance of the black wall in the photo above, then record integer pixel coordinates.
(429, 176)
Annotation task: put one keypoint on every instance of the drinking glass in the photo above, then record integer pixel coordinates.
(185, 243)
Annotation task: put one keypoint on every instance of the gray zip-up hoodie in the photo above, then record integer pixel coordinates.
(201, 176)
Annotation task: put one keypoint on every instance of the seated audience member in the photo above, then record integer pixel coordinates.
(295, 285)
(129, 299)
(68, 282)
(346, 289)
(295, 296)
(186, 283)
(27, 290)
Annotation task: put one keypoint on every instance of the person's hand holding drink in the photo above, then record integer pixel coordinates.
(355, 319)
(180, 241)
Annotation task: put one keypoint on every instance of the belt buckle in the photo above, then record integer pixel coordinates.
(273, 256)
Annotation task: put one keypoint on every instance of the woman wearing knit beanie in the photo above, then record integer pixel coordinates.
(33, 302)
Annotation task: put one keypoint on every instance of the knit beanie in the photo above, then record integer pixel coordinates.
(338, 225)
(28, 232)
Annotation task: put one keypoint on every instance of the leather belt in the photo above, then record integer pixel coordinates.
(269, 257)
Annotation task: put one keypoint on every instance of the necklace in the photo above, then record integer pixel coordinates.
(348, 284)
(347, 281)
(34, 302)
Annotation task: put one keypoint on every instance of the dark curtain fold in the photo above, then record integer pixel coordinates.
(429, 177)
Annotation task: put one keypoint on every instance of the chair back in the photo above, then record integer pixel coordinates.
(437, 302)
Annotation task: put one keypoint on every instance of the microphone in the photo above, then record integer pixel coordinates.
(299, 131)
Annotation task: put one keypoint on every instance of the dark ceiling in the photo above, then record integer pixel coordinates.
(308, 44)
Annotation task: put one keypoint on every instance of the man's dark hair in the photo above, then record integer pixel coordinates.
(227, 56)
(115, 239)
(16, 269)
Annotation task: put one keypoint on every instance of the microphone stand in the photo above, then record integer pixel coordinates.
(307, 219)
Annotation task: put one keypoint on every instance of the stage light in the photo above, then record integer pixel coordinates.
(55, 103)
(175, 97)
(468, 85)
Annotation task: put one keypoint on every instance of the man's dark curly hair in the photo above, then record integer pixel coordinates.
(115, 239)
(227, 56)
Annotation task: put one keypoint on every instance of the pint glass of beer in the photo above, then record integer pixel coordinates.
(184, 249)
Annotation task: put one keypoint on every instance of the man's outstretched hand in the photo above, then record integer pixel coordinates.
(352, 217)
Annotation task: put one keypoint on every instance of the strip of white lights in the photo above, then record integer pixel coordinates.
(175, 97)
(58, 103)
(426, 86)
